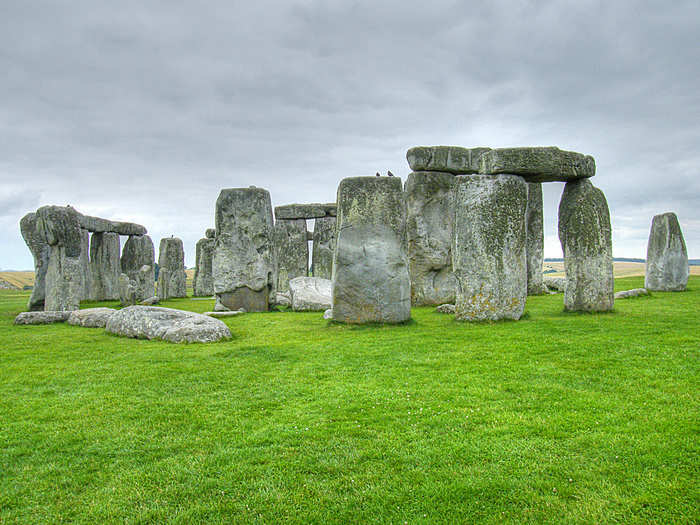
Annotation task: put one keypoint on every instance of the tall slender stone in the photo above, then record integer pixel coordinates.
(105, 266)
(489, 257)
(667, 257)
(203, 284)
(586, 240)
(85, 263)
(292, 251)
(40, 252)
(371, 282)
(535, 239)
(172, 280)
(323, 247)
(429, 229)
(138, 251)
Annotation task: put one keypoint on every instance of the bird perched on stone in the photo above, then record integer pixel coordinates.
(390, 174)
(378, 175)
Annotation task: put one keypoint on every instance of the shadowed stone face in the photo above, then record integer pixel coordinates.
(323, 247)
(105, 266)
(292, 251)
(535, 239)
(171, 273)
(85, 263)
(203, 285)
(667, 257)
(40, 251)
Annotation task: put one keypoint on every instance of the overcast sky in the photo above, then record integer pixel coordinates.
(143, 111)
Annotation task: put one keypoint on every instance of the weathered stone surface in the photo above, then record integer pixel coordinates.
(244, 266)
(168, 324)
(224, 315)
(292, 251)
(488, 253)
(203, 284)
(634, 292)
(555, 283)
(429, 227)
(310, 293)
(371, 282)
(58, 226)
(535, 239)
(40, 251)
(586, 240)
(323, 247)
(98, 225)
(105, 266)
(449, 159)
(137, 290)
(538, 164)
(305, 211)
(91, 317)
(150, 301)
(310, 235)
(46, 317)
(85, 263)
(127, 290)
(283, 299)
(445, 309)
(210, 233)
(171, 272)
(138, 251)
(667, 258)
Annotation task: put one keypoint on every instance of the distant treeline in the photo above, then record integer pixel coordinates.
(691, 262)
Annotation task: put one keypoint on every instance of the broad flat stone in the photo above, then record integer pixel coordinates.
(203, 284)
(105, 266)
(310, 293)
(667, 257)
(150, 301)
(635, 292)
(305, 211)
(171, 269)
(223, 315)
(449, 159)
(46, 317)
(99, 225)
(323, 247)
(538, 164)
(40, 252)
(91, 317)
(535, 239)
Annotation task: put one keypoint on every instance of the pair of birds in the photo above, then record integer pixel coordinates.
(388, 173)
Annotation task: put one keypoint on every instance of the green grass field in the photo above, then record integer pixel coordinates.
(558, 418)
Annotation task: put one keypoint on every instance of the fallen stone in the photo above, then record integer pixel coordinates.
(168, 324)
(292, 250)
(667, 257)
(105, 266)
(323, 247)
(538, 164)
(171, 272)
(91, 317)
(150, 301)
(449, 159)
(223, 315)
(219, 307)
(40, 252)
(555, 283)
(45, 317)
(535, 239)
(203, 283)
(310, 293)
(445, 309)
(635, 292)
(305, 211)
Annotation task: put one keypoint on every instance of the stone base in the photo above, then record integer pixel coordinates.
(244, 297)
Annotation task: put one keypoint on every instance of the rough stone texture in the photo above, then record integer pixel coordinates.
(91, 317)
(150, 301)
(292, 251)
(210, 233)
(555, 283)
(323, 247)
(310, 293)
(586, 240)
(538, 164)
(137, 290)
(445, 309)
(127, 290)
(634, 292)
(488, 253)
(40, 251)
(429, 227)
(168, 324)
(85, 263)
(223, 315)
(305, 211)
(46, 317)
(138, 251)
(244, 266)
(203, 284)
(667, 258)
(105, 266)
(450, 159)
(535, 239)
(371, 282)
(310, 235)
(283, 299)
(96, 224)
(171, 273)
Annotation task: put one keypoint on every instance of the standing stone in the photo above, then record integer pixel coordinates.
(203, 284)
(172, 280)
(488, 253)
(371, 281)
(429, 228)
(40, 252)
(105, 266)
(292, 251)
(85, 263)
(323, 247)
(535, 239)
(586, 240)
(667, 257)
(244, 264)
(138, 251)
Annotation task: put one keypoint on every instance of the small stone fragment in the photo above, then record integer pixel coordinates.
(635, 292)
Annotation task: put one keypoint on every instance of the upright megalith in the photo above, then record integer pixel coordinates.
(535, 239)
(488, 251)
(667, 257)
(105, 266)
(172, 281)
(85, 263)
(292, 250)
(244, 266)
(429, 228)
(138, 251)
(323, 246)
(40, 252)
(203, 284)
(586, 240)
(371, 281)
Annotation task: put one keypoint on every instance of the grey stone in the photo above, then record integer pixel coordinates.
(244, 266)
(535, 239)
(127, 290)
(168, 324)
(45, 317)
(310, 235)
(305, 211)
(203, 284)
(40, 252)
(538, 164)
(555, 283)
(150, 301)
(219, 306)
(667, 258)
(445, 309)
(98, 225)
(292, 251)
(138, 251)
(171, 273)
(283, 299)
(310, 293)
(91, 317)
(137, 290)
(635, 292)
(105, 266)
(328, 314)
(449, 159)
(323, 247)
(85, 264)
(371, 282)
(488, 253)
(586, 240)
(210, 233)
(429, 228)
(224, 315)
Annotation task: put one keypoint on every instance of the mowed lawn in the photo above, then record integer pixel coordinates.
(559, 418)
